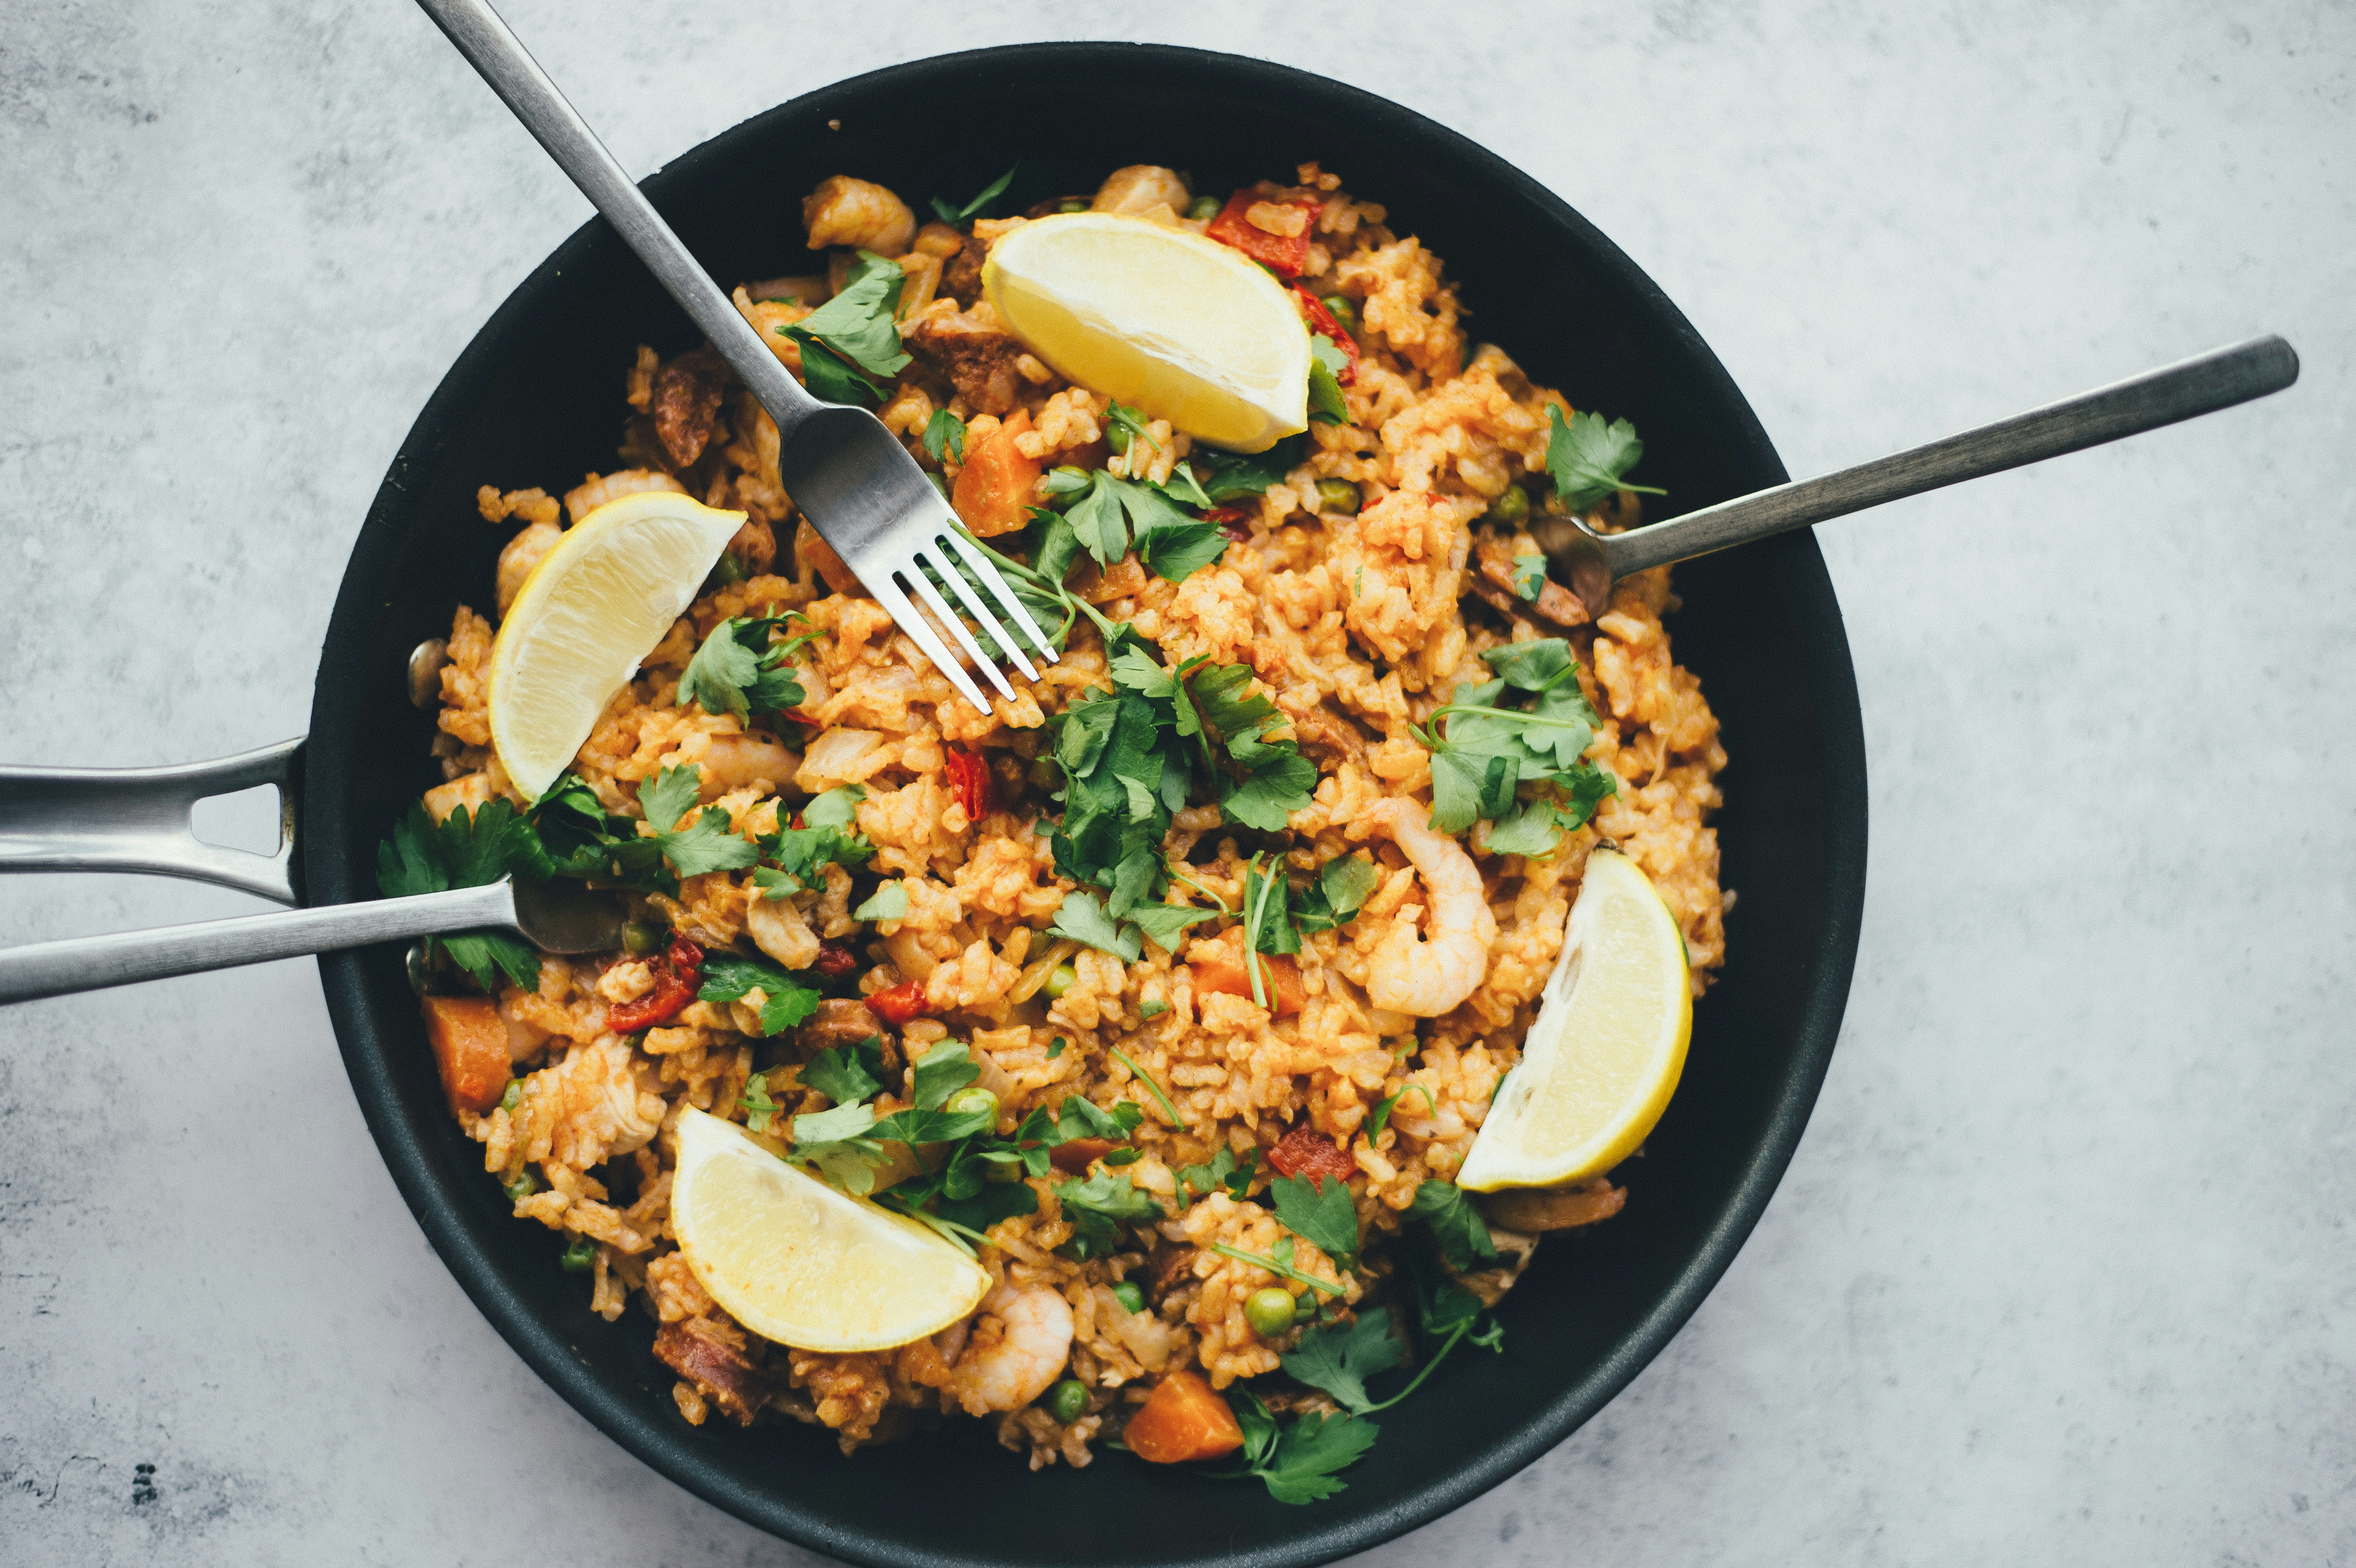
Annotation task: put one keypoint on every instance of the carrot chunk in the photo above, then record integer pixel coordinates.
(470, 1047)
(1182, 1418)
(993, 489)
(1280, 979)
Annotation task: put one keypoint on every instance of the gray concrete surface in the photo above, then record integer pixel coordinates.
(2062, 1270)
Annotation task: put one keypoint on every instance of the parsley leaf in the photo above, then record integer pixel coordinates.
(851, 338)
(1321, 1214)
(1455, 1224)
(1340, 1360)
(1346, 883)
(666, 796)
(1098, 1207)
(1529, 575)
(728, 977)
(737, 670)
(1083, 919)
(1326, 364)
(945, 430)
(468, 850)
(941, 1072)
(835, 808)
(1586, 458)
(890, 902)
(1026, 182)
(846, 1075)
(1275, 791)
(1222, 1171)
(1480, 751)
(710, 845)
(1230, 475)
(1165, 924)
(1298, 1462)
(836, 1142)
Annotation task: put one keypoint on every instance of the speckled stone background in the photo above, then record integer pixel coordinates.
(2062, 1270)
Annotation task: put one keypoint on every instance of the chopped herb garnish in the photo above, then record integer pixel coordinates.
(1147, 1079)
(467, 849)
(739, 670)
(1326, 363)
(1098, 1207)
(946, 432)
(1529, 575)
(849, 341)
(1321, 1214)
(728, 977)
(847, 1075)
(706, 844)
(1227, 476)
(1455, 1224)
(1481, 751)
(1279, 1266)
(1586, 458)
(1298, 1461)
(1223, 1171)
(890, 902)
(1028, 181)
(1339, 1359)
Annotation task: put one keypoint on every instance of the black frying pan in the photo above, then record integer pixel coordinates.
(535, 400)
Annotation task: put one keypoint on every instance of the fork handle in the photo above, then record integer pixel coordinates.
(495, 52)
(2200, 385)
(94, 962)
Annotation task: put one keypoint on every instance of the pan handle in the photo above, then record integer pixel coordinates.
(138, 819)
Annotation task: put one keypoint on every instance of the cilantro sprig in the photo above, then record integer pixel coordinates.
(740, 670)
(469, 848)
(849, 344)
(1297, 1461)
(1589, 460)
(728, 977)
(1482, 750)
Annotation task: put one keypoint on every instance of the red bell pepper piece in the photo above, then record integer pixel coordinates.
(969, 777)
(901, 1003)
(1280, 255)
(678, 975)
(1305, 1151)
(1321, 323)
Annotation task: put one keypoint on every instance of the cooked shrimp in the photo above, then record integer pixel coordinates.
(1429, 976)
(603, 1106)
(523, 553)
(733, 761)
(1020, 1344)
(597, 489)
(778, 930)
(858, 213)
(1139, 189)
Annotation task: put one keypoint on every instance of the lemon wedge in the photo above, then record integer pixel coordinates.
(1181, 327)
(594, 608)
(799, 1263)
(1604, 1057)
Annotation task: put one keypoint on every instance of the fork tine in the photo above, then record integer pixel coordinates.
(887, 593)
(949, 618)
(932, 556)
(984, 568)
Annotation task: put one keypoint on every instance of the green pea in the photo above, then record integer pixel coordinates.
(1337, 495)
(1062, 980)
(521, 1187)
(514, 1094)
(1043, 774)
(1131, 1297)
(1068, 1401)
(580, 1255)
(971, 1101)
(1512, 508)
(1270, 1311)
(1345, 312)
(728, 570)
(1074, 204)
(641, 937)
(1202, 208)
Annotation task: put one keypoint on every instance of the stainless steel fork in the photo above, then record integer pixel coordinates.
(845, 471)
